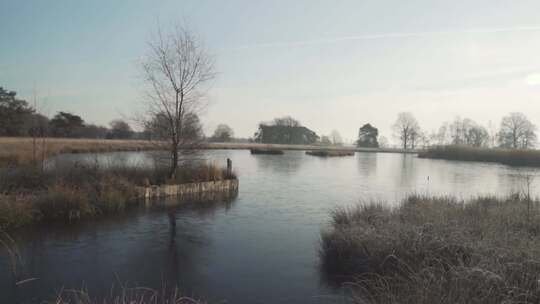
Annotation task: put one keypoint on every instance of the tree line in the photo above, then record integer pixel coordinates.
(18, 118)
(515, 131)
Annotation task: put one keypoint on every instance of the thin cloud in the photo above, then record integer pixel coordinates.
(383, 36)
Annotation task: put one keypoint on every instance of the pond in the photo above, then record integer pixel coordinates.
(261, 247)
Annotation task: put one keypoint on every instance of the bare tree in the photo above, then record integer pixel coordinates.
(336, 138)
(517, 132)
(176, 69)
(406, 129)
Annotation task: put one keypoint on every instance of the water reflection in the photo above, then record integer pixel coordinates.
(286, 164)
(367, 164)
(132, 249)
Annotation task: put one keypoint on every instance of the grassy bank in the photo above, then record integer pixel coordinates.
(503, 156)
(71, 193)
(437, 250)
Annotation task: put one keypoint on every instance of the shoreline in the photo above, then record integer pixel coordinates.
(20, 150)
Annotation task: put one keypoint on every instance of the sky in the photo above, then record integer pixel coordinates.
(333, 65)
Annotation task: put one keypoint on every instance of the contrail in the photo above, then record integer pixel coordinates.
(383, 36)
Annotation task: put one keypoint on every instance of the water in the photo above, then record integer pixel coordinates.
(258, 248)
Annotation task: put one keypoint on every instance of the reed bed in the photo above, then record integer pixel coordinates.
(437, 250)
(512, 157)
(25, 150)
(70, 193)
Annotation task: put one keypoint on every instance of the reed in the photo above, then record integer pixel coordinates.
(512, 157)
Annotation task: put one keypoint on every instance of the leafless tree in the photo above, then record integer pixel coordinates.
(406, 129)
(177, 70)
(517, 132)
(336, 138)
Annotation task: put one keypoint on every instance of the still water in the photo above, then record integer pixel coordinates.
(260, 247)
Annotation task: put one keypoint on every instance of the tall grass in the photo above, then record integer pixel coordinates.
(437, 250)
(511, 157)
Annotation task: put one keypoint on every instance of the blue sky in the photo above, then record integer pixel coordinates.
(331, 64)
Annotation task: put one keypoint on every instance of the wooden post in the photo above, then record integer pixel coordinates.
(229, 167)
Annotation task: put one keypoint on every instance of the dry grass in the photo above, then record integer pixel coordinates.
(20, 150)
(504, 156)
(437, 250)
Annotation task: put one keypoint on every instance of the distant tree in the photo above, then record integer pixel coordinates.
(38, 125)
(383, 142)
(325, 141)
(285, 131)
(158, 128)
(466, 132)
(119, 129)
(477, 136)
(65, 124)
(286, 121)
(367, 136)
(14, 114)
(223, 133)
(336, 138)
(517, 132)
(407, 130)
(93, 131)
(459, 129)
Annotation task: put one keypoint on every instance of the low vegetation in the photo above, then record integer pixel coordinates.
(69, 193)
(330, 153)
(437, 250)
(511, 157)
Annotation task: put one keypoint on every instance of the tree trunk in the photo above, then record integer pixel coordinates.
(174, 163)
(405, 135)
